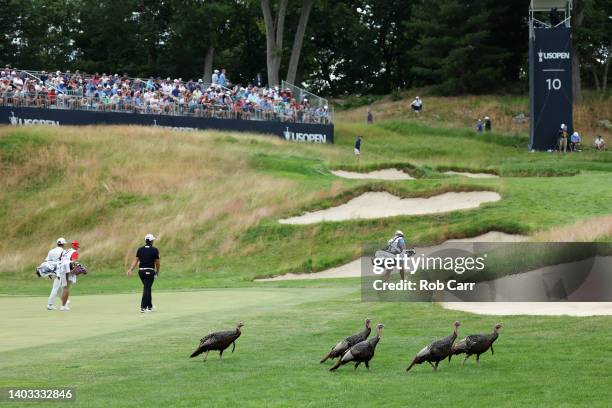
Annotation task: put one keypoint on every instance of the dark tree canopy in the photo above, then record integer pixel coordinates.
(349, 46)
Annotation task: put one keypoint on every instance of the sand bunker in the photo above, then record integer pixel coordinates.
(386, 174)
(353, 268)
(349, 270)
(533, 308)
(534, 285)
(471, 175)
(382, 204)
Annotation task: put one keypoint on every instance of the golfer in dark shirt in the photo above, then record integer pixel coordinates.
(358, 147)
(147, 259)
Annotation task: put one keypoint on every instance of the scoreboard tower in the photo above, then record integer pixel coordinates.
(550, 71)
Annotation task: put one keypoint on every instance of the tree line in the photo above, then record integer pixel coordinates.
(333, 47)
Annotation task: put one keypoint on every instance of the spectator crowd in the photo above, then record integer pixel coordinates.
(218, 98)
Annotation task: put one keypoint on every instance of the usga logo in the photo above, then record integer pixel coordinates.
(304, 137)
(15, 121)
(552, 55)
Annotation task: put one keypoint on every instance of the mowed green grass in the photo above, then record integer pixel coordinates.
(143, 360)
(215, 206)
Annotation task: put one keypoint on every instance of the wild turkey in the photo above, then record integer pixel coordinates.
(349, 342)
(218, 341)
(476, 344)
(361, 352)
(436, 351)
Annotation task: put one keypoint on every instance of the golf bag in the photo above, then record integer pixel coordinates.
(381, 253)
(78, 269)
(47, 269)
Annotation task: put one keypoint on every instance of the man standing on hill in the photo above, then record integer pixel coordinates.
(479, 126)
(487, 124)
(563, 135)
(147, 257)
(358, 147)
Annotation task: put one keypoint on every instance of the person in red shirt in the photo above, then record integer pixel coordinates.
(71, 255)
(51, 96)
(74, 256)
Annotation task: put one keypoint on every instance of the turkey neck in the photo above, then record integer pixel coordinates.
(494, 335)
(376, 338)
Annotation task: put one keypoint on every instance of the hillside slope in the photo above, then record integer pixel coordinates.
(463, 112)
(214, 199)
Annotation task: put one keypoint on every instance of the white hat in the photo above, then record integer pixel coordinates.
(149, 237)
(216, 71)
(61, 241)
(399, 232)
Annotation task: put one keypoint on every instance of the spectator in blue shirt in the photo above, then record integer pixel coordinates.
(575, 141)
(479, 126)
(222, 78)
(61, 88)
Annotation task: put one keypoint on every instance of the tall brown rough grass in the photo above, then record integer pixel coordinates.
(463, 111)
(584, 231)
(108, 186)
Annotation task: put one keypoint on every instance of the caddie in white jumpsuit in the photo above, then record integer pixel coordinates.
(55, 255)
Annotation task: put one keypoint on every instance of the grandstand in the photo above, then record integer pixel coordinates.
(171, 97)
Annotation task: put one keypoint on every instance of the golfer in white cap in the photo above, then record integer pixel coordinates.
(147, 259)
(55, 256)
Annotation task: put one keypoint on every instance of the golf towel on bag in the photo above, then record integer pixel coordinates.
(47, 269)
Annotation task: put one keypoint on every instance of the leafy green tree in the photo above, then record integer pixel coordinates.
(37, 34)
(594, 41)
(107, 38)
(453, 51)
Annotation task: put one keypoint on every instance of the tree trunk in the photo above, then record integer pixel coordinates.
(604, 79)
(274, 38)
(298, 41)
(595, 77)
(267, 15)
(151, 56)
(577, 18)
(208, 63)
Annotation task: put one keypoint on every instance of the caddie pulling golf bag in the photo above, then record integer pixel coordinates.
(47, 270)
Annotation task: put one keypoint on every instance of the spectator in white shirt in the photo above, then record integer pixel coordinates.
(417, 105)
